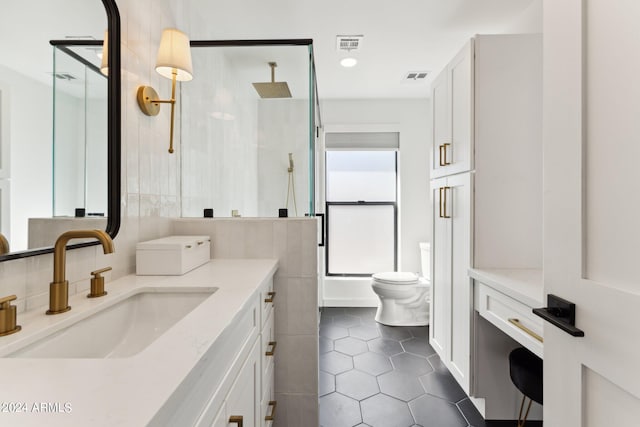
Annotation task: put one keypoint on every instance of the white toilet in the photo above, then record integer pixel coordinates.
(404, 297)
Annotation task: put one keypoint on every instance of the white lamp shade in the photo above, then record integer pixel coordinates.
(104, 65)
(174, 54)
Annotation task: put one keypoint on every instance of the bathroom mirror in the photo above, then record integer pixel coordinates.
(59, 121)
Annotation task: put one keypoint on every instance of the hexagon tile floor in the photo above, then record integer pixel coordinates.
(382, 376)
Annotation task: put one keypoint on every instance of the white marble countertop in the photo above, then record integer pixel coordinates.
(524, 285)
(126, 391)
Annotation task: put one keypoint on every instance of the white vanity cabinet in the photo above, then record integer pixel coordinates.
(245, 397)
(486, 181)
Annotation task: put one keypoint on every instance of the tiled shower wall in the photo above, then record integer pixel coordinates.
(293, 241)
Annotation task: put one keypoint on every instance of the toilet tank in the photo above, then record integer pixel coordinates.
(425, 259)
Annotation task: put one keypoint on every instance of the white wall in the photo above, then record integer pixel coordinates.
(412, 119)
(530, 21)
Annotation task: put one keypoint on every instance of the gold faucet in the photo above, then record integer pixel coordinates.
(59, 288)
(8, 316)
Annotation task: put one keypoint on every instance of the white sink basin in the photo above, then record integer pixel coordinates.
(121, 328)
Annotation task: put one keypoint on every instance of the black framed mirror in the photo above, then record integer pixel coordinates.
(35, 77)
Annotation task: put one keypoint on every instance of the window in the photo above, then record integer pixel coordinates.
(361, 198)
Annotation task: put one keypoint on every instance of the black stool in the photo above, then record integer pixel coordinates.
(525, 369)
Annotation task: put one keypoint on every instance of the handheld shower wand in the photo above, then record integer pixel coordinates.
(291, 185)
(290, 163)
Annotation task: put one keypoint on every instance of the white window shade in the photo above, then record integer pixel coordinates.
(362, 140)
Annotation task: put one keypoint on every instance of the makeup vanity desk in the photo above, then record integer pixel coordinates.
(503, 299)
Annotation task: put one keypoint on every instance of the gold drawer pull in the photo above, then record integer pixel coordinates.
(517, 324)
(273, 404)
(272, 344)
(271, 297)
(440, 162)
(444, 202)
(444, 148)
(236, 419)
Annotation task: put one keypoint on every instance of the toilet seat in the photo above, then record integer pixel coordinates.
(396, 278)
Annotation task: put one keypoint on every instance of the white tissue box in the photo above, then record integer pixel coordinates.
(172, 256)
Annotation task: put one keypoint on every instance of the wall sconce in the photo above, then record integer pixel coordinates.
(104, 60)
(174, 62)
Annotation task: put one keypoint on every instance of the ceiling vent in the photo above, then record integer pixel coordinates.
(349, 43)
(416, 76)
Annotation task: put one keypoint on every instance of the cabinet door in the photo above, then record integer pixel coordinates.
(221, 419)
(243, 400)
(440, 114)
(452, 96)
(459, 155)
(459, 209)
(440, 313)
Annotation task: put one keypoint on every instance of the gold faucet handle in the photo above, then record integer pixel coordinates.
(5, 302)
(97, 283)
(96, 274)
(8, 316)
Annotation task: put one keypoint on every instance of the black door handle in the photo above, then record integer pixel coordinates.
(321, 215)
(561, 313)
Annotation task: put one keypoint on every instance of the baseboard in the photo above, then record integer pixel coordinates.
(350, 302)
(510, 423)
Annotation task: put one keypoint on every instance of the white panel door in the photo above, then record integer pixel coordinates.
(440, 314)
(452, 103)
(440, 114)
(591, 105)
(459, 210)
(459, 154)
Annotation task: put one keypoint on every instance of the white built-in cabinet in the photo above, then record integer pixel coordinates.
(246, 396)
(485, 181)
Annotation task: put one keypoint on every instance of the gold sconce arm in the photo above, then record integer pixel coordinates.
(150, 104)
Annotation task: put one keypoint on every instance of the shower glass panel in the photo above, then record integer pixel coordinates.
(79, 131)
(240, 151)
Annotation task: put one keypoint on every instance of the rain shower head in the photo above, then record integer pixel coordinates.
(273, 89)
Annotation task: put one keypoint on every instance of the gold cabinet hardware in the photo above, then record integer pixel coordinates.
(443, 202)
(442, 154)
(516, 322)
(444, 149)
(8, 315)
(237, 419)
(271, 296)
(97, 283)
(271, 417)
(271, 352)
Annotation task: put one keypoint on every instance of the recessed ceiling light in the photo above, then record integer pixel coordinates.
(348, 62)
